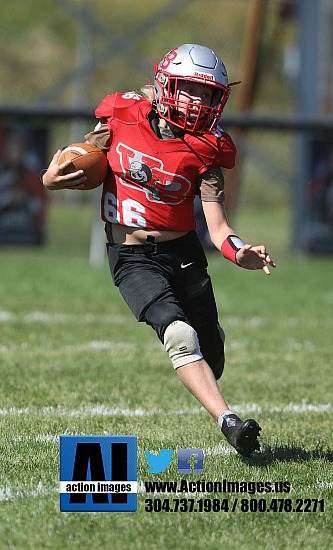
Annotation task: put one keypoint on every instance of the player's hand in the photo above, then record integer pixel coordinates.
(55, 178)
(255, 257)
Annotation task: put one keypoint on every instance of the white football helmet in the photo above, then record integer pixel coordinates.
(190, 62)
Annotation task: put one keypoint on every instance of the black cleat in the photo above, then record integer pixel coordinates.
(241, 435)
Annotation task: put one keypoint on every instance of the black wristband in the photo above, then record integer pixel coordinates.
(41, 174)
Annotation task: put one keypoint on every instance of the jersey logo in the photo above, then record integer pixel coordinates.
(131, 95)
(145, 173)
(184, 266)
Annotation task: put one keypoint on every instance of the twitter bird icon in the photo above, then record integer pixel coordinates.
(158, 463)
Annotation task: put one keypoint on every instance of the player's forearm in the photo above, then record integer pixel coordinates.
(217, 223)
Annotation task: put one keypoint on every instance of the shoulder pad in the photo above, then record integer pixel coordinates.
(122, 106)
(105, 108)
(226, 155)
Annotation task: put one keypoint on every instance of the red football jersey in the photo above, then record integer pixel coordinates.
(153, 181)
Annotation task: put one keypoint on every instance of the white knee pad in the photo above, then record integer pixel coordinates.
(182, 344)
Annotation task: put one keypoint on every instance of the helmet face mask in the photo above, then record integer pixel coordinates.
(198, 65)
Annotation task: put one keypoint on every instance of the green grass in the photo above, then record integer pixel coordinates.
(68, 344)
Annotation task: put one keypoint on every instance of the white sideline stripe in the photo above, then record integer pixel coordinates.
(9, 493)
(98, 410)
(219, 450)
(40, 438)
(46, 317)
(62, 317)
(102, 410)
(103, 344)
(94, 345)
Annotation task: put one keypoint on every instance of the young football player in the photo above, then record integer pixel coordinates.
(164, 148)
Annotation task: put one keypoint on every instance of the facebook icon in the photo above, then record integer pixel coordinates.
(188, 457)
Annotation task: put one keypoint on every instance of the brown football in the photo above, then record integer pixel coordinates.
(86, 157)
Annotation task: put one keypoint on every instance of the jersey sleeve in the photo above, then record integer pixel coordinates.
(100, 136)
(211, 185)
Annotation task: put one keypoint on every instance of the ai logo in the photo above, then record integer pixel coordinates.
(98, 473)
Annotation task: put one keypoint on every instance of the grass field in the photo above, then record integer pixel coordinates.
(72, 360)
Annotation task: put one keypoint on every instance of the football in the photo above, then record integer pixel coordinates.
(86, 157)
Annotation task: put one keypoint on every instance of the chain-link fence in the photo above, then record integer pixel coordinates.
(59, 55)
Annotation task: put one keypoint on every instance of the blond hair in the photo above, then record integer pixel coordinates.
(148, 92)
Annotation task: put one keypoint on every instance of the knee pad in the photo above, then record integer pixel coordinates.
(182, 344)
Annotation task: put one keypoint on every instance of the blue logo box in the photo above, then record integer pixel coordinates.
(98, 473)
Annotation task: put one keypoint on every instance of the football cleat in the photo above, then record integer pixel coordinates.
(241, 435)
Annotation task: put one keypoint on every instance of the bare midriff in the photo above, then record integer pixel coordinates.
(132, 235)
